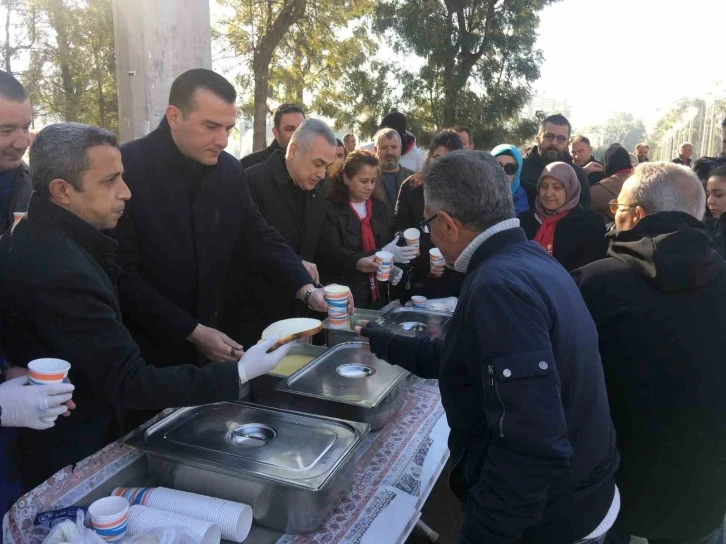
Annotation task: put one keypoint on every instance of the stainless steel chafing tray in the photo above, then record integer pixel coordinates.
(333, 337)
(263, 387)
(292, 468)
(415, 322)
(348, 382)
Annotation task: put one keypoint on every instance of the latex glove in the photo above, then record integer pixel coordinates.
(33, 406)
(257, 361)
(401, 254)
(395, 276)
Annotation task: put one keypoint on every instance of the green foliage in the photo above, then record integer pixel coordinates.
(624, 129)
(480, 62)
(72, 71)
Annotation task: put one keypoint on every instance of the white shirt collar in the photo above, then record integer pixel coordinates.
(462, 263)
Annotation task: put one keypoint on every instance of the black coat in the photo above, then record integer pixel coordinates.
(181, 227)
(659, 303)
(532, 444)
(717, 228)
(259, 156)
(682, 162)
(579, 237)
(248, 307)
(532, 169)
(20, 190)
(341, 248)
(58, 299)
(410, 214)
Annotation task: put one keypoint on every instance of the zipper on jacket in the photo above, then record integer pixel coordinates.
(493, 382)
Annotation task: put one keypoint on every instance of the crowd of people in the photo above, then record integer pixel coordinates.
(580, 373)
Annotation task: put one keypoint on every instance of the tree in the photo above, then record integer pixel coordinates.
(19, 30)
(313, 59)
(488, 41)
(72, 71)
(624, 129)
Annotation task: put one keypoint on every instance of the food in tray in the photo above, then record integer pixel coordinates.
(291, 364)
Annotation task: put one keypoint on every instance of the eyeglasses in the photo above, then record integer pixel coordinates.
(509, 169)
(425, 224)
(614, 206)
(560, 139)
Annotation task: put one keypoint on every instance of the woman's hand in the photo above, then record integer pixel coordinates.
(367, 264)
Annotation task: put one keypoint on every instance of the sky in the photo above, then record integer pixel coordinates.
(637, 56)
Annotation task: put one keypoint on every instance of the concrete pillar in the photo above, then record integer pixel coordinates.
(156, 40)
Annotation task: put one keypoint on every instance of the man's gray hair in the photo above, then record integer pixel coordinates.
(684, 144)
(309, 129)
(665, 187)
(469, 186)
(388, 134)
(60, 151)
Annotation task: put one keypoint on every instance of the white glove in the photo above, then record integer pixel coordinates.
(33, 406)
(395, 276)
(256, 361)
(401, 254)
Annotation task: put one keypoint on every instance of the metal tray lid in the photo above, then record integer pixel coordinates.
(415, 322)
(348, 373)
(355, 319)
(281, 445)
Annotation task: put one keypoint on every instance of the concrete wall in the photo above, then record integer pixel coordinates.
(156, 40)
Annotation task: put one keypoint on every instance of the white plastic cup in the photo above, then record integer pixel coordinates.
(412, 237)
(436, 258)
(47, 371)
(109, 518)
(385, 264)
(419, 302)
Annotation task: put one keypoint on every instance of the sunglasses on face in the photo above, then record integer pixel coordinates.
(509, 169)
(560, 139)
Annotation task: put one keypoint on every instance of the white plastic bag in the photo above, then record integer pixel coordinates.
(73, 533)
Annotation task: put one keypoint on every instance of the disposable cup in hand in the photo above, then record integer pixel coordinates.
(47, 371)
(419, 302)
(337, 298)
(109, 518)
(412, 237)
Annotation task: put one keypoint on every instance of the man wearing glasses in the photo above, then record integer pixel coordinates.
(552, 142)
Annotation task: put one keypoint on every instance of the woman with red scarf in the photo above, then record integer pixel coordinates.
(572, 234)
(357, 225)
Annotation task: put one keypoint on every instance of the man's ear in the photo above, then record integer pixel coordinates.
(292, 150)
(60, 192)
(276, 133)
(173, 116)
(450, 227)
(640, 213)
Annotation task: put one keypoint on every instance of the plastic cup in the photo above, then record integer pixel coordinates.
(419, 302)
(109, 518)
(47, 371)
(436, 258)
(412, 237)
(337, 298)
(385, 263)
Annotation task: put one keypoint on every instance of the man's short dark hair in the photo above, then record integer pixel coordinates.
(282, 110)
(60, 151)
(580, 138)
(448, 138)
(184, 87)
(719, 172)
(469, 133)
(11, 88)
(556, 119)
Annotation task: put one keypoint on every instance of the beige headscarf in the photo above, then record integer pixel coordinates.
(565, 174)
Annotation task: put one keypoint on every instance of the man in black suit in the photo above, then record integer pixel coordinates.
(58, 298)
(285, 122)
(287, 189)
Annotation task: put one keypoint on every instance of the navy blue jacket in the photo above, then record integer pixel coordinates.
(532, 443)
(182, 226)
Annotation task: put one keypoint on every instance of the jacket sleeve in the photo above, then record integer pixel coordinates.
(263, 245)
(594, 243)
(150, 309)
(420, 356)
(334, 257)
(84, 328)
(512, 356)
(403, 216)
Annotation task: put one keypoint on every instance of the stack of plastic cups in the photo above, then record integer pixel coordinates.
(412, 237)
(337, 298)
(384, 259)
(436, 258)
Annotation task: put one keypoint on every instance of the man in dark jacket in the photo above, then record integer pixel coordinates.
(16, 115)
(552, 140)
(659, 303)
(532, 444)
(191, 211)
(287, 191)
(684, 154)
(58, 296)
(582, 156)
(284, 123)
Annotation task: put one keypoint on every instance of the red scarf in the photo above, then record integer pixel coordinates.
(368, 241)
(546, 234)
